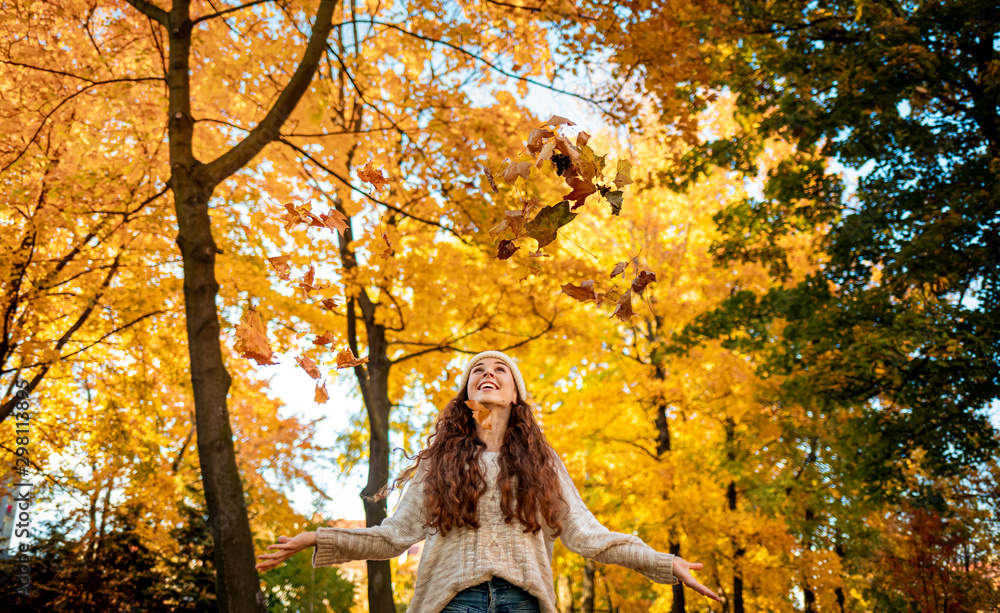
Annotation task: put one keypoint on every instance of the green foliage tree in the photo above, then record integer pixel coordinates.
(899, 320)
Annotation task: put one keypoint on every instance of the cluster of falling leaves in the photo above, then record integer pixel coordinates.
(582, 169)
(585, 292)
(251, 332)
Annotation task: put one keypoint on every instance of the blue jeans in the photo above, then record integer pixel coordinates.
(494, 596)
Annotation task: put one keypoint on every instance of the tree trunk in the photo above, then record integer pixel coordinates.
(677, 606)
(564, 595)
(374, 384)
(587, 602)
(238, 588)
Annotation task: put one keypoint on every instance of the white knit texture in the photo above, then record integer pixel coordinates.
(468, 557)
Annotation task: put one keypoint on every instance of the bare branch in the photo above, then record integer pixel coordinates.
(229, 10)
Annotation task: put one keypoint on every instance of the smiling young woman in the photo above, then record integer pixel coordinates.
(490, 499)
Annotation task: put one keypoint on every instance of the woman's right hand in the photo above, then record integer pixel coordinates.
(286, 548)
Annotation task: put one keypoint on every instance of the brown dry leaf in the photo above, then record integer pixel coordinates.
(556, 120)
(538, 254)
(373, 176)
(582, 292)
(506, 249)
(536, 139)
(296, 215)
(388, 251)
(321, 395)
(623, 308)
(582, 138)
(619, 269)
(280, 265)
(335, 220)
(306, 285)
(582, 188)
(489, 177)
(346, 359)
(251, 339)
(329, 303)
(309, 366)
(515, 170)
(546, 153)
(499, 228)
(482, 415)
(599, 299)
(641, 280)
(324, 339)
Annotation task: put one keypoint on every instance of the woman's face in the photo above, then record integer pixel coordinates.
(491, 383)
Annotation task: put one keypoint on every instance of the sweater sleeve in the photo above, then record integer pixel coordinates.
(583, 534)
(389, 539)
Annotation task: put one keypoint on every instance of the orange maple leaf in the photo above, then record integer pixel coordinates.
(309, 366)
(321, 395)
(251, 339)
(306, 285)
(346, 359)
(623, 308)
(581, 189)
(515, 170)
(373, 176)
(482, 415)
(329, 304)
(324, 339)
(280, 265)
(582, 292)
(643, 279)
(335, 220)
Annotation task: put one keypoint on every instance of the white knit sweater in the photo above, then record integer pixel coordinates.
(468, 556)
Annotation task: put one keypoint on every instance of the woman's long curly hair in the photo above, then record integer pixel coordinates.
(454, 481)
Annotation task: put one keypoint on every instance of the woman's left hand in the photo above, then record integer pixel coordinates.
(682, 570)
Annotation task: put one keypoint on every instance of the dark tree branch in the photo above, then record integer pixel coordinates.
(268, 130)
(198, 20)
(152, 11)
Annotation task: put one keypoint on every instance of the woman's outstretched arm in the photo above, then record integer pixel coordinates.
(391, 538)
(583, 534)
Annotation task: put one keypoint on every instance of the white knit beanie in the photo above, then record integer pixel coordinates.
(506, 360)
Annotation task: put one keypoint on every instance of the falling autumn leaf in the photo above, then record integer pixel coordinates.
(538, 254)
(372, 175)
(482, 415)
(280, 265)
(306, 285)
(388, 250)
(489, 178)
(622, 174)
(251, 339)
(321, 396)
(309, 366)
(619, 269)
(616, 198)
(324, 339)
(546, 153)
(335, 220)
(329, 304)
(296, 215)
(346, 359)
(505, 249)
(536, 140)
(643, 279)
(545, 225)
(581, 189)
(623, 308)
(582, 138)
(515, 170)
(582, 292)
(556, 120)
